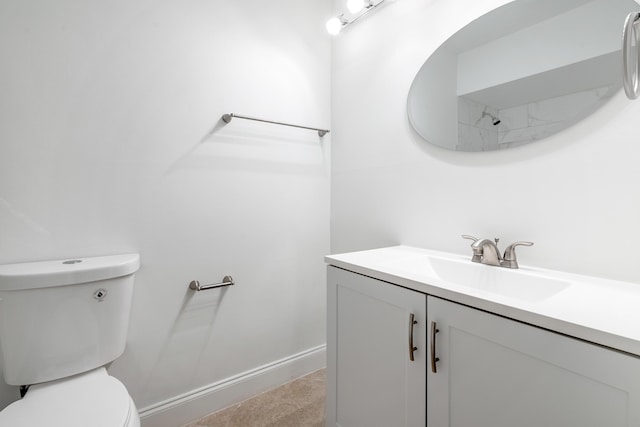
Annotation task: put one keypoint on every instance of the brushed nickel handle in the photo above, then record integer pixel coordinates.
(477, 252)
(412, 322)
(509, 259)
(510, 252)
(434, 359)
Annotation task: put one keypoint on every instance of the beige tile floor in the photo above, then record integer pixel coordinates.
(299, 403)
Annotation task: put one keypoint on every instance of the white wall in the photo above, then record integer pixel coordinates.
(111, 142)
(574, 194)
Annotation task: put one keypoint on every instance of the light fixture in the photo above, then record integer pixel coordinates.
(336, 24)
(356, 6)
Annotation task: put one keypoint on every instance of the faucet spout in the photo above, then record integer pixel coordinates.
(488, 252)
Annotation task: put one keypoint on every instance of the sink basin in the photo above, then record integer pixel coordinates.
(459, 273)
(513, 283)
(599, 310)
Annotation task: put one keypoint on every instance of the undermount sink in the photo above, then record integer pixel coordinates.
(513, 283)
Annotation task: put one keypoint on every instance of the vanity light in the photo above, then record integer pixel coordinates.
(356, 6)
(335, 25)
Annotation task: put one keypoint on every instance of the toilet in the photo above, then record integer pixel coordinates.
(61, 322)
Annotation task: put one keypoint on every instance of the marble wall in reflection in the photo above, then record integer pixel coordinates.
(476, 131)
(523, 123)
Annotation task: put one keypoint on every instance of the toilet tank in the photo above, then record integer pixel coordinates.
(61, 318)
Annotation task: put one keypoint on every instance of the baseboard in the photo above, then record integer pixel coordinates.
(197, 403)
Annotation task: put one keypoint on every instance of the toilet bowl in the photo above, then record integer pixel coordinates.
(92, 399)
(61, 322)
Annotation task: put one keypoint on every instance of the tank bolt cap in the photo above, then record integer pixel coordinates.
(100, 294)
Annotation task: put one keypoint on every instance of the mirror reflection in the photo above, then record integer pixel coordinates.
(520, 73)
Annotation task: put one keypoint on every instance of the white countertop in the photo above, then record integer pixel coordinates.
(601, 311)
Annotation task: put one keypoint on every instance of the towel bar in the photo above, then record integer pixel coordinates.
(196, 286)
(227, 118)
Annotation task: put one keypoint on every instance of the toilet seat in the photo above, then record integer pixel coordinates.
(90, 399)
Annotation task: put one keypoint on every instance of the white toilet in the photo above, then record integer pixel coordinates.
(61, 322)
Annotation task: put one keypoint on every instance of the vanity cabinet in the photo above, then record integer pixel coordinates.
(470, 368)
(371, 380)
(493, 372)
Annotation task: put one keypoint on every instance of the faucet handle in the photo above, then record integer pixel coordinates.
(509, 257)
(477, 252)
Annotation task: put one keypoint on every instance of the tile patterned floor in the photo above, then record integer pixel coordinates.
(299, 403)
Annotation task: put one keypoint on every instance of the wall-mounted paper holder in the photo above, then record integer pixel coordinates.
(196, 286)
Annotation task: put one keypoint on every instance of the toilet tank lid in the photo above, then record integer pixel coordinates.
(43, 274)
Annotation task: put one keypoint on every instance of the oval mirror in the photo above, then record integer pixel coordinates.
(520, 73)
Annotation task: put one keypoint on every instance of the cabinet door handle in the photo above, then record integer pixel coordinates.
(412, 322)
(434, 359)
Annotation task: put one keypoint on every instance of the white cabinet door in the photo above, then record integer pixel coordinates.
(371, 380)
(495, 372)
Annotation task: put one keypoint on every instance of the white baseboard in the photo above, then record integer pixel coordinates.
(197, 403)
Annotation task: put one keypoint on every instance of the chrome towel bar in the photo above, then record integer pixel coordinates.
(196, 286)
(227, 118)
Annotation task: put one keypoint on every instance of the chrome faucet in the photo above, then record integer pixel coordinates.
(486, 251)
